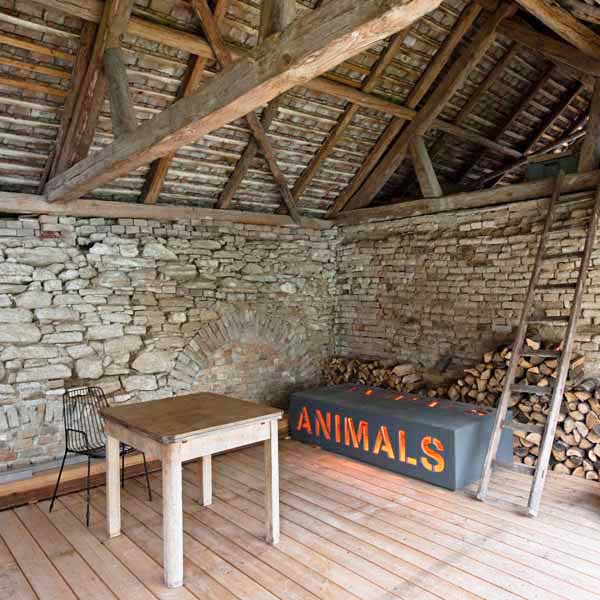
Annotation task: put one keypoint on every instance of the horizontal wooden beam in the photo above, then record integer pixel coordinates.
(468, 200)
(309, 47)
(33, 204)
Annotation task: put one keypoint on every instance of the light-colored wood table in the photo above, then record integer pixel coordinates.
(184, 428)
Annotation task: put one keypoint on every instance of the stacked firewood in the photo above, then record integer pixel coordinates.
(576, 448)
(403, 376)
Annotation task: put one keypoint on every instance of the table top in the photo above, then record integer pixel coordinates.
(178, 418)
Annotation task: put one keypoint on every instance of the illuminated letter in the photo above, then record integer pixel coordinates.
(426, 443)
(338, 429)
(383, 442)
(351, 434)
(402, 446)
(304, 421)
(321, 425)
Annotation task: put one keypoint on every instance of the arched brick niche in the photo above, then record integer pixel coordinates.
(254, 354)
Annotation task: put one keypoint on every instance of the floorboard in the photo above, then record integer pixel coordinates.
(350, 531)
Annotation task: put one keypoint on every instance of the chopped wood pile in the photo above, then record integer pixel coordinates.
(576, 448)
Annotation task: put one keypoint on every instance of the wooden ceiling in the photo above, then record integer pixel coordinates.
(421, 99)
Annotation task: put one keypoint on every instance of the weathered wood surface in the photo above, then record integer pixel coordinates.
(349, 530)
(121, 105)
(428, 181)
(12, 203)
(589, 155)
(436, 102)
(306, 49)
(182, 417)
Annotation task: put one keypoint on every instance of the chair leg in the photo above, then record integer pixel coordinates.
(87, 511)
(62, 466)
(147, 478)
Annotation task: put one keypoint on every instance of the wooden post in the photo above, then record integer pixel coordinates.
(589, 156)
(172, 492)
(121, 106)
(272, 485)
(113, 487)
(430, 186)
(206, 481)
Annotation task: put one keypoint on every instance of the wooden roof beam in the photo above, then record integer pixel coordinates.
(453, 80)
(276, 16)
(159, 168)
(260, 135)
(563, 23)
(309, 47)
(438, 63)
(428, 181)
(589, 156)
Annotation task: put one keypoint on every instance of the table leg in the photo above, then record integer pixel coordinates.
(172, 516)
(113, 487)
(206, 481)
(272, 485)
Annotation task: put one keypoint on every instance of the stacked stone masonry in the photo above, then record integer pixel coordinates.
(452, 285)
(146, 309)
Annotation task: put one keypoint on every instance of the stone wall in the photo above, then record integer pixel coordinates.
(147, 309)
(453, 284)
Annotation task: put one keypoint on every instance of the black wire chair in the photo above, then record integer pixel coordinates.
(84, 435)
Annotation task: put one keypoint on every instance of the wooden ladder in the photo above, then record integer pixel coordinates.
(540, 470)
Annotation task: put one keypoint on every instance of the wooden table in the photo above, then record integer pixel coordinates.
(184, 428)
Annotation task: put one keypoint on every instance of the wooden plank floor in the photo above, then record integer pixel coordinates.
(349, 531)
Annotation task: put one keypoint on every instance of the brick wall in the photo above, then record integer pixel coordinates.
(146, 309)
(453, 284)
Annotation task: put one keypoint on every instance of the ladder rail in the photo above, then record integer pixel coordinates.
(502, 408)
(543, 460)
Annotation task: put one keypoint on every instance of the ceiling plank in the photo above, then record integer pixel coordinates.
(453, 80)
(348, 115)
(264, 143)
(521, 105)
(312, 45)
(563, 23)
(155, 179)
(428, 181)
(276, 16)
(442, 56)
(589, 156)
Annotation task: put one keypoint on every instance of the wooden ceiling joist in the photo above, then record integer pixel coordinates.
(276, 16)
(441, 58)
(453, 80)
(309, 47)
(563, 23)
(159, 168)
(264, 143)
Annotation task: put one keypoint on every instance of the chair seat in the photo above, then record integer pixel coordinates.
(100, 452)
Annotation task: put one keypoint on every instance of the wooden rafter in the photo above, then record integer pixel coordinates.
(453, 80)
(508, 122)
(264, 143)
(159, 168)
(589, 156)
(348, 115)
(276, 16)
(568, 98)
(565, 25)
(576, 132)
(442, 56)
(80, 133)
(311, 46)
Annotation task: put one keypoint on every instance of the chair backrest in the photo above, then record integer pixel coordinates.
(84, 428)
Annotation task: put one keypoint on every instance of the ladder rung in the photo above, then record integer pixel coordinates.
(557, 286)
(527, 427)
(578, 254)
(524, 388)
(541, 353)
(550, 321)
(518, 467)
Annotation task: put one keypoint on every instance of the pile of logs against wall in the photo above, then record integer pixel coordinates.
(576, 447)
